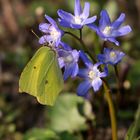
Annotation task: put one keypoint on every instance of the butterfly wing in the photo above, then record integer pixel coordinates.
(32, 78)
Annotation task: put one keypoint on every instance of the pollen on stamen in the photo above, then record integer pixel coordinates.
(78, 20)
(112, 54)
(92, 74)
(107, 30)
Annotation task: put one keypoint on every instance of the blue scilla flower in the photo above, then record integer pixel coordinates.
(110, 56)
(91, 75)
(68, 59)
(108, 30)
(52, 33)
(79, 19)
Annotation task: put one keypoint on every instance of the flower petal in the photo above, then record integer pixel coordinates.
(83, 73)
(105, 73)
(114, 41)
(75, 55)
(104, 20)
(65, 15)
(90, 20)
(96, 84)
(101, 57)
(116, 24)
(77, 8)
(65, 46)
(124, 30)
(85, 59)
(51, 21)
(76, 26)
(44, 39)
(85, 13)
(83, 88)
(75, 70)
(68, 71)
(97, 65)
(44, 27)
(61, 62)
(64, 23)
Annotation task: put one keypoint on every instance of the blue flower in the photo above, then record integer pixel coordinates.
(52, 33)
(68, 59)
(110, 56)
(79, 19)
(109, 31)
(92, 76)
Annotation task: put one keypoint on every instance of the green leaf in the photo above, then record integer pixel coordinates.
(135, 127)
(64, 116)
(40, 134)
(42, 77)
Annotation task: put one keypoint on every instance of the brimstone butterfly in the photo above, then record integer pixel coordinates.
(42, 77)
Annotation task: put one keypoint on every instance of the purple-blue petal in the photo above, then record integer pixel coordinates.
(83, 88)
(83, 73)
(93, 27)
(85, 59)
(75, 55)
(117, 23)
(90, 20)
(51, 21)
(114, 41)
(101, 57)
(44, 27)
(64, 23)
(97, 64)
(105, 73)
(65, 46)
(75, 70)
(68, 71)
(124, 30)
(85, 13)
(76, 26)
(44, 39)
(104, 20)
(61, 62)
(77, 8)
(57, 43)
(65, 15)
(96, 84)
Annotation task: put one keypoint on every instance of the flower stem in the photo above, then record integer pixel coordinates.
(83, 45)
(81, 34)
(111, 110)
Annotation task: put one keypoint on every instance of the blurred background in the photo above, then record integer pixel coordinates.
(72, 117)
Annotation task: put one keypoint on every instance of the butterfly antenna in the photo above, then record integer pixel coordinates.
(35, 34)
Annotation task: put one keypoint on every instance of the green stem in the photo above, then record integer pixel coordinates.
(81, 34)
(83, 45)
(111, 110)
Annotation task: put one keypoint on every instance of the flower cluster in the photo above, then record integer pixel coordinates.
(68, 58)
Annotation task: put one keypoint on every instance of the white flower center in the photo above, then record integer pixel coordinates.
(107, 30)
(68, 59)
(55, 34)
(112, 54)
(93, 74)
(78, 20)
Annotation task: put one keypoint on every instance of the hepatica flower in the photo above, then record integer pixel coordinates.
(110, 56)
(79, 19)
(108, 30)
(52, 33)
(68, 59)
(91, 75)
